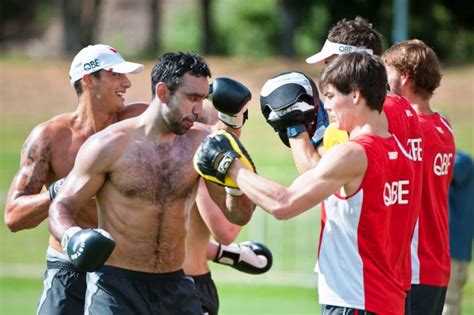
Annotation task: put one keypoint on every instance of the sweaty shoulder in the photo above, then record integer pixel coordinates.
(57, 126)
(132, 110)
(106, 145)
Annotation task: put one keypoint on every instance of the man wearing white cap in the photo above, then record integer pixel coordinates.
(355, 274)
(400, 119)
(397, 116)
(349, 36)
(98, 75)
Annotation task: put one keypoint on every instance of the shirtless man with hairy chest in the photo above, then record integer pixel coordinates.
(148, 190)
(142, 175)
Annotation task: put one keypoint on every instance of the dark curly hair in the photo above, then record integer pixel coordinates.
(358, 32)
(171, 67)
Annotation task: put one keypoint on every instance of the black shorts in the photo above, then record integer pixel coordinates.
(207, 293)
(112, 290)
(339, 310)
(64, 289)
(427, 299)
(408, 303)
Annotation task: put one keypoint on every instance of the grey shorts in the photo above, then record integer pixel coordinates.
(207, 293)
(112, 290)
(64, 289)
(339, 310)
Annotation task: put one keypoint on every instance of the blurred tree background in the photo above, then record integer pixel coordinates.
(288, 28)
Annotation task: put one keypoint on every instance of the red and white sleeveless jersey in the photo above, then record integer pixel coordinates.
(403, 123)
(355, 261)
(430, 245)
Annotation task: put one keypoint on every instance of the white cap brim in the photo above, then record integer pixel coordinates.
(331, 48)
(319, 57)
(100, 57)
(126, 67)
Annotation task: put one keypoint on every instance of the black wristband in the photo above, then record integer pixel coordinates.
(295, 130)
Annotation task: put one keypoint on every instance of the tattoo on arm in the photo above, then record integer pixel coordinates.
(34, 166)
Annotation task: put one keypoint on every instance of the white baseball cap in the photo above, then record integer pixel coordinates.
(100, 57)
(331, 48)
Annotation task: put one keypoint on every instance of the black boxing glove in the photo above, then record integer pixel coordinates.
(249, 257)
(88, 249)
(230, 98)
(216, 154)
(54, 188)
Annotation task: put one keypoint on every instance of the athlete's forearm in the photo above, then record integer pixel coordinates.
(61, 217)
(304, 154)
(269, 195)
(240, 209)
(27, 211)
(212, 249)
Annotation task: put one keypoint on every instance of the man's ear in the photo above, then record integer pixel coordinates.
(356, 96)
(87, 80)
(404, 78)
(162, 92)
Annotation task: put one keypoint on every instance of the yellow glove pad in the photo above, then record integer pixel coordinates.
(333, 136)
(216, 154)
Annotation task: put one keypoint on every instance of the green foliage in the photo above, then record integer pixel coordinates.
(245, 28)
(311, 33)
(255, 28)
(180, 29)
(462, 46)
(20, 19)
(436, 23)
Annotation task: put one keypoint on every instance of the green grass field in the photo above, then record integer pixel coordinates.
(289, 288)
(22, 295)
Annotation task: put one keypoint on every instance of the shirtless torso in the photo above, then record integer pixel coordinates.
(143, 178)
(48, 155)
(146, 196)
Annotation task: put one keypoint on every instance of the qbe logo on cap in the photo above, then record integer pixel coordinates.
(91, 65)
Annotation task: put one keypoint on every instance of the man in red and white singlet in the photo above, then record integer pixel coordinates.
(414, 73)
(360, 182)
(357, 229)
(400, 119)
(403, 122)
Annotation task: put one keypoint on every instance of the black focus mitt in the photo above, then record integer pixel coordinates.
(291, 99)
